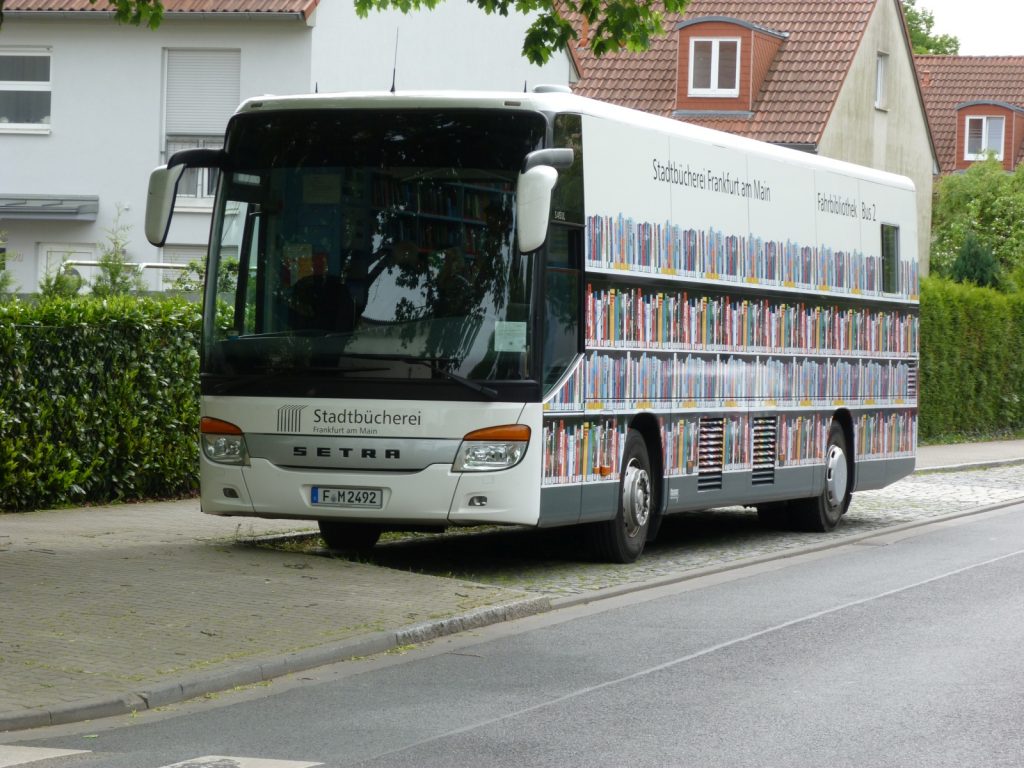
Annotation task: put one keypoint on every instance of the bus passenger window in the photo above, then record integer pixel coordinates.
(890, 258)
(561, 302)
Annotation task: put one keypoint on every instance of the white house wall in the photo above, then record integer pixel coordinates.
(107, 121)
(895, 138)
(455, 45)
(107, 103)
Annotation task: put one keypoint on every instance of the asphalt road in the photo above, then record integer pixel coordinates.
(897, 650)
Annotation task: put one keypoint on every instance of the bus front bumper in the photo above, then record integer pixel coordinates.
(434, 496)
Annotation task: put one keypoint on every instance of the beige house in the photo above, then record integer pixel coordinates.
(834, 78)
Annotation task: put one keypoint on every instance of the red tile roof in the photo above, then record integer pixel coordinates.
(798, 92)
(303, 7)
(950, 80)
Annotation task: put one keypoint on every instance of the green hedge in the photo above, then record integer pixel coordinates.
(972, 369)
(98, 400)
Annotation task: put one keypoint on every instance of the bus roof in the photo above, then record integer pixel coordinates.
(559, 99)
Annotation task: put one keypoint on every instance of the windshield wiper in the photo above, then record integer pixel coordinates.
(409, 360)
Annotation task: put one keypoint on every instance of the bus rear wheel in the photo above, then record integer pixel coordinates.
(622, 539)
(344, 536)
(822, 513)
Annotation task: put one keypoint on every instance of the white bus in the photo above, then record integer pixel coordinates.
(442, 309)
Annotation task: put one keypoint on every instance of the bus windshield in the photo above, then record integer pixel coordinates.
(370, 244)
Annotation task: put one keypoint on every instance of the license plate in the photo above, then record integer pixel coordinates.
(360, 498)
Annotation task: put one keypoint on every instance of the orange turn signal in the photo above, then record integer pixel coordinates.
(506, 432)
(209, 426)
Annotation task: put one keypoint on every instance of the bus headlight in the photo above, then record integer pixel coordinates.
(492, 449)
(223, 442)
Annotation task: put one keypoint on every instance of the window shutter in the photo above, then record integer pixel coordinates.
(202, 90)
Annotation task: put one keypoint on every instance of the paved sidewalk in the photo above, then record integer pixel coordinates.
(113, 609)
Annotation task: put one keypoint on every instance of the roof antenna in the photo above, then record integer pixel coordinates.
(394, 71)
(524, 86)
(316, 87)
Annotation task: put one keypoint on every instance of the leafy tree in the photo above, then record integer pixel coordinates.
(117, 274)
(985, 201)
(919, 23)
(615, 25)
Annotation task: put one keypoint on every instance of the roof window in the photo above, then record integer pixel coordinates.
(714, 67)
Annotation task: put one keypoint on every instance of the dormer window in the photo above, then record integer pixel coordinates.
(984, 135)
(714, 67)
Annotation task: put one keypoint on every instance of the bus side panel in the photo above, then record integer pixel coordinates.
(878, 473)
(685, 495)
(560, 505)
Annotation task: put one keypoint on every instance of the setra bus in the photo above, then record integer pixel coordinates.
(440, 309)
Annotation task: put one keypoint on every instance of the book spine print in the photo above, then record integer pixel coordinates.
(582, 450)
(886, 435)
(619, 242)
(649, 318)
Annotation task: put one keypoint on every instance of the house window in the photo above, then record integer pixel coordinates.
(881, 81)
(201, 93)
(196, 184)
(24, 90)
(984, 135)
(890, 258)
(715, 67)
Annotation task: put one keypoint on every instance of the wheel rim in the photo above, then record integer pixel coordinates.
(836, 476)
(636, 498)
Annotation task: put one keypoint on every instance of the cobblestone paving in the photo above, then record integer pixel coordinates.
(556, 563)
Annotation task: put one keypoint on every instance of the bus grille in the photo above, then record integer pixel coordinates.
(712, 453)
(764, 450)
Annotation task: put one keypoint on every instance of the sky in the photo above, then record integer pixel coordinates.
(984, 27)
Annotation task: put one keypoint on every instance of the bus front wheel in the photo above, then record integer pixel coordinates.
(343, 536)
(622, 539)
(821, 513)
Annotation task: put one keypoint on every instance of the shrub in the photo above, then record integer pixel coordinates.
(976, 264)
(62, 283)
(972, 374)
(6, 281)
(117, 275)
(98, 400)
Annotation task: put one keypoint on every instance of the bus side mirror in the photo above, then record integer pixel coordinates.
(163, 187)
(533, 206)
(533, 194)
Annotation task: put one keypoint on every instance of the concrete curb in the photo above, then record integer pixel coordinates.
(261, 670)
(968, 466)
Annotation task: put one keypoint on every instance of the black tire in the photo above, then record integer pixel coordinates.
(622, 539)
(343, 536)
(822, 513)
